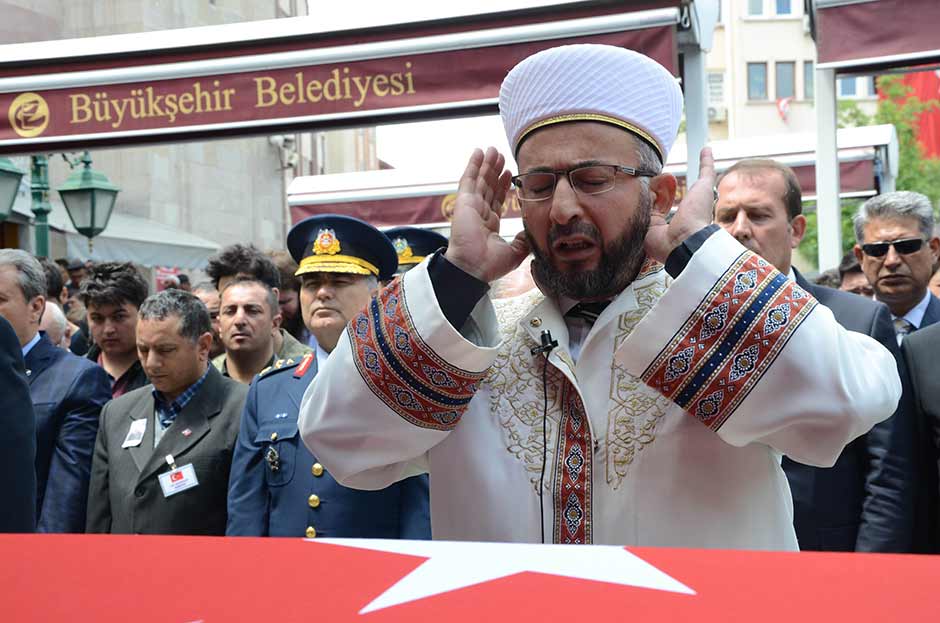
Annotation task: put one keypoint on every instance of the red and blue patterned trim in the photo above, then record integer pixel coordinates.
(574, 468)
(402, 370)
(727, 344)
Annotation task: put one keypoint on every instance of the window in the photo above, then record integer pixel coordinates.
(757, 81)
(809, 80)
(716, 87)
(784, 7)
(784, 73)
(848, 87)
(755, 7)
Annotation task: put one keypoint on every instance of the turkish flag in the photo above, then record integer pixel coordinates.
(230, 579)
(176, 476)
(926, 86)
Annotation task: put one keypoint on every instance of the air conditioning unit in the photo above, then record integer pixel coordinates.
(717, 113)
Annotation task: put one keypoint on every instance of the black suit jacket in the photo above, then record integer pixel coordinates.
(125, 495)
(865, 501)
(921, 362)
(68, 393)
(17, 438)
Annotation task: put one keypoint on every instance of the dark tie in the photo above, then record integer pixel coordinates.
(588, 312)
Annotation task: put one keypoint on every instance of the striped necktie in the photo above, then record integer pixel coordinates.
(902, 326)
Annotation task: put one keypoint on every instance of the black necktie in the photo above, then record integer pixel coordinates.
(589, 312)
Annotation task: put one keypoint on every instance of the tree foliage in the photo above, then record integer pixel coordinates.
(898, 106)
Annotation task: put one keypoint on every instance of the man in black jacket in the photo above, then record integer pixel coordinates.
(865, 501)
(17, 438)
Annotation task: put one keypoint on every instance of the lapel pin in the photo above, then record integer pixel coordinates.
(187, 432)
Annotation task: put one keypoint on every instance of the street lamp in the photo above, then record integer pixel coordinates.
(10, 178)
(89, 197)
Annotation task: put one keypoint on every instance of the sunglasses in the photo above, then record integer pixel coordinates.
(904, 247)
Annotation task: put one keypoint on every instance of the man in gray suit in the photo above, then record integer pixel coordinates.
(164, 451)
(865, 501)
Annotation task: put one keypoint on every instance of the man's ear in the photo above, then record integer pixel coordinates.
(203, 344)
(663, 192)
(797, 230)
(859, 254)
(37, 307)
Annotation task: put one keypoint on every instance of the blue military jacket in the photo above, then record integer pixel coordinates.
(277, 487)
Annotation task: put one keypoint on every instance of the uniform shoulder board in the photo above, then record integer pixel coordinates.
(280, 364)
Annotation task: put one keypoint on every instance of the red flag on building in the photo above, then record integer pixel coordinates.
(926, 86)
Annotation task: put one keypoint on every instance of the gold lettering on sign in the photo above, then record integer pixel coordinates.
(148, 102)
(341, 84)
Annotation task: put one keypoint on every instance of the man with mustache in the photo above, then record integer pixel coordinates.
(645, 392)
(278, 488)
(897, 248)
(248, 321)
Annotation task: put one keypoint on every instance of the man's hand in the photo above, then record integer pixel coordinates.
(475, 245)
(694, 212)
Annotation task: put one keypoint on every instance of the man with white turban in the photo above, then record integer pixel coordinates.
(644, 393)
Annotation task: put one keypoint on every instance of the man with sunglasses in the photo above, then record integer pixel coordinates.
(622, 401)
(865, 501)
(898, 250)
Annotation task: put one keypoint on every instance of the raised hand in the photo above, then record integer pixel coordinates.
(475, 245)
(694, 213)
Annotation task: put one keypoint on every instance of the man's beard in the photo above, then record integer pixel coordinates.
(619, 263)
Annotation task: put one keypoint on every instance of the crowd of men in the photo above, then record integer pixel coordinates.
(669, 379)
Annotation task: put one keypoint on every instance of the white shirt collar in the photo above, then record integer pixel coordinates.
(791, 275)
(322, 355)
(29, 345)
(915, 315)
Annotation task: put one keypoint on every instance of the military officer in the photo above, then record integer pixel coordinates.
(413, 244)
(277, 487)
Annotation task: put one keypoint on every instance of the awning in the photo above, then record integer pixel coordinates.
(867, 36)
(868, 161)
(135, 239)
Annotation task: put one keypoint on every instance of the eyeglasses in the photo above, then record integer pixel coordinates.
(590, 180)
(904, 247)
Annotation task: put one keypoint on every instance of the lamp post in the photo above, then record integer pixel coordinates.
(39, 184)
(10, 177)
(89, 198)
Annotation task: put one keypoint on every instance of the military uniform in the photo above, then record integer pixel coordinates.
(277, 487)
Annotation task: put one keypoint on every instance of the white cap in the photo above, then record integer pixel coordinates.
(589, 82)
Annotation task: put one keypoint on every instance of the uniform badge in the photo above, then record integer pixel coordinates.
(304, 365)
(326, 243)
(403, 249)
(273, 459)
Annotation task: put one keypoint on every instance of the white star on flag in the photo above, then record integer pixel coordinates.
(454, 565)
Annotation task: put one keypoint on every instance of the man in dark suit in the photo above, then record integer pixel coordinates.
(865, 501)
(17, 438)
(898, 250)
(164, 451)
(278, 488)
(920, 353)
(67, 393)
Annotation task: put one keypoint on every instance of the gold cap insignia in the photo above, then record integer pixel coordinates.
(326, 243)
(403, 249)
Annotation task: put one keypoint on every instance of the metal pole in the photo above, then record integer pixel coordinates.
(39, 183)
(696, 108)
(828, 208)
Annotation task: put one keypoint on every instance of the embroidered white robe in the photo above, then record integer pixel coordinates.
(668, 431)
